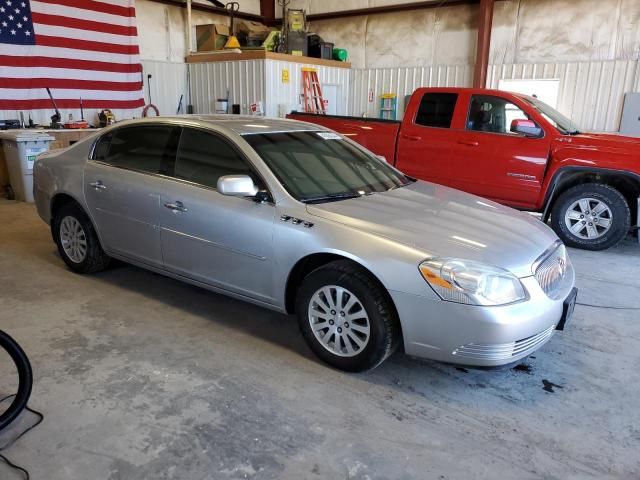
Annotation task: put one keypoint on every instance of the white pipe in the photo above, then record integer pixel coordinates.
(188, 27)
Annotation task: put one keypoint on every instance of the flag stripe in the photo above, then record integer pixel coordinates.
(87, 45)
(68, 93)
(83, 24)
(93, 6)
(52, 62)
(65, 73)
(34, 83)
(71, 54)
(63, 32)
(71, 103)
(80, 13)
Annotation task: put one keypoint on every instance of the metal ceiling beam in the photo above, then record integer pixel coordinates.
(211, 9)
(401, 7)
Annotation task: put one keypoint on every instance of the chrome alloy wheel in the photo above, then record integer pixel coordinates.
(588, 218)
(339, 321)
(73, 239)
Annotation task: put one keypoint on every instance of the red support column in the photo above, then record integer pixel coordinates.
(484, 43)
(268, 10)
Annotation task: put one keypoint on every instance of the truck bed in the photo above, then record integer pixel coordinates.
(377, 135)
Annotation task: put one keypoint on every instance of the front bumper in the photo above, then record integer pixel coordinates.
(474, 335)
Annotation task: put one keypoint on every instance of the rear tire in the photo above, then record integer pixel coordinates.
(77, 240)
(349, 294)
(591, 216)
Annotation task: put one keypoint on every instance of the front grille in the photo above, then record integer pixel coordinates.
(503, 351)
(555, 273)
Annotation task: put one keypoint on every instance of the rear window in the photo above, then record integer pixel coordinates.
(436, 110)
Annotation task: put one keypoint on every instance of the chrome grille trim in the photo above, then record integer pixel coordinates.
(554, 272)
(503, 351)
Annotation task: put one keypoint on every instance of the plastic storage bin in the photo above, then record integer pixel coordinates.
(21, 147)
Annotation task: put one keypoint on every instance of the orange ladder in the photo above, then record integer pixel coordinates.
(313, 101)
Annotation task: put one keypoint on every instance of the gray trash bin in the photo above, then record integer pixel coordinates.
(21, 147)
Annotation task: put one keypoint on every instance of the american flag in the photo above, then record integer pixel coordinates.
(78, 48)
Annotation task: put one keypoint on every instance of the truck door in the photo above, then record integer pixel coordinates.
(490, 160)
(425, 141)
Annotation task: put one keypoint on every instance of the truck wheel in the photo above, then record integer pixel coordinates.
(346, 318)
(591, 216)
(77, 240)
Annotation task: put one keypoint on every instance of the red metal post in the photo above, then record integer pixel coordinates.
(484, 43)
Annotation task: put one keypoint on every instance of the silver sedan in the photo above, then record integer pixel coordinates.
(297, 218)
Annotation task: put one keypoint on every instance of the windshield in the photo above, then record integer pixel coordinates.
(317, 166)
(558, 120)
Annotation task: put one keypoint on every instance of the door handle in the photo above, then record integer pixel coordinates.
(469, 143)
(413, 138)
(176, 206)
(98, 185)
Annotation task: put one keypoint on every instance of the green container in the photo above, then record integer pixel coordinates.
(340, 54)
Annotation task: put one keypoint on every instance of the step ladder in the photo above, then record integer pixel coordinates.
(312, 93)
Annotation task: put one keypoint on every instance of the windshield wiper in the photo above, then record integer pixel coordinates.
(331, 197)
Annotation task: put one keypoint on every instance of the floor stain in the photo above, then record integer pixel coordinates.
(463, 370)
(549, 386)
(522, 367)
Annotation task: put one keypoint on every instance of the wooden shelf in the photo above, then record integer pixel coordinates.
(206, 57)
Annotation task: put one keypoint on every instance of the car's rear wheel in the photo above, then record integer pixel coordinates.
(77, 240)
(346, 317)
(591, 216)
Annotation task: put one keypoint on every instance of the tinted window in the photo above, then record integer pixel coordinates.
(313, 165)
(138, 148)
(101, 149)
(493, 114)
(204, 157)
(436, 109)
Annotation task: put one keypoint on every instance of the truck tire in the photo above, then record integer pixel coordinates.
(77, 240)
(591, 216)
(346, 317)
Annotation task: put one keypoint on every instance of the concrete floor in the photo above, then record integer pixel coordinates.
(143, 377)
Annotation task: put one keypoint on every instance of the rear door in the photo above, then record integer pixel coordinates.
(122, 189)
(216, 239)
(425, 141)
(489, 160)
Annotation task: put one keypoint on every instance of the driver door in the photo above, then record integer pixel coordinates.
(216, 239)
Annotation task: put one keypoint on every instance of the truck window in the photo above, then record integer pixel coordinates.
(493, 114)
(436, 109)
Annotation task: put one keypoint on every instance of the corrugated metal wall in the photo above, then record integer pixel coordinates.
(244, 80)
(250, 81)
(591, 93)
(401, 81)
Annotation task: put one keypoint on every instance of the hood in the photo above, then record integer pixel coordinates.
(445, 222)
(610, 143)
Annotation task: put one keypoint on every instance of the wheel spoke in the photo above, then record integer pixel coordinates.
(592, 232)
(604, 223)
(359, 328)
(355, 339)
(584, 205)
(577, 228)
(573, 215)
(347, 344)
(599, 209)
(329, 298)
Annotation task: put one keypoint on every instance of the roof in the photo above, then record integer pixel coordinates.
(248, 124)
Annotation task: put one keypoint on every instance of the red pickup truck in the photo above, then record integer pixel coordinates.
(513, 149)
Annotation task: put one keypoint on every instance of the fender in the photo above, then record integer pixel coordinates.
(564, 171)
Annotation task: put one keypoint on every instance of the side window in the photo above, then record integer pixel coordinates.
(138, 148)
(204, 157)
(101, 148)
(493, 114)
(436, 109)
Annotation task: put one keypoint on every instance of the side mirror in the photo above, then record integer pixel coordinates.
(527, 128)
(237, 186)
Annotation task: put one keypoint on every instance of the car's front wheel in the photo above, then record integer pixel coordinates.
(346, 317)
(591, 216)
(77, 240)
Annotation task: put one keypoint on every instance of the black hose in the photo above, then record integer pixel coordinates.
(25, 378)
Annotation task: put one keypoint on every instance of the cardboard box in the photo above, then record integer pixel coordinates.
(211, 37)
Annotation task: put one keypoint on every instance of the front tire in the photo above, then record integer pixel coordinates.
(346, 317)
(77, 240)
(591, 216)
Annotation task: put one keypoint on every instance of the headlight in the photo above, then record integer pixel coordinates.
(473, 283)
